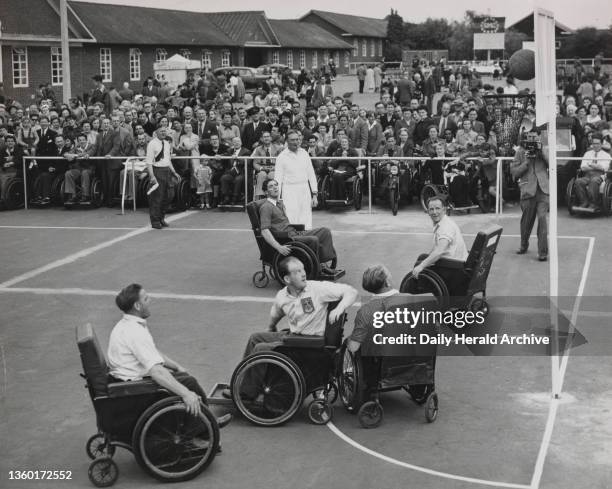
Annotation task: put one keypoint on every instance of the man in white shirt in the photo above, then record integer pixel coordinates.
(297, 181)
(595, 163)
(132, 354)
(448, 243)
(160, 171)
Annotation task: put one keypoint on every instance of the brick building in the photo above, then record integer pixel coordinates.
(122, 42)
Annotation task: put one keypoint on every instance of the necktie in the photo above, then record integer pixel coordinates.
(442, 125)
(268, 155)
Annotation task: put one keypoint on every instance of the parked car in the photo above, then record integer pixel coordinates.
(394, 68)
(274, 68)
(251, 78)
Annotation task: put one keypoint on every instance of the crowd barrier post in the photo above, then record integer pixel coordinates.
(25, 182)
(246, 182)
(369, 186)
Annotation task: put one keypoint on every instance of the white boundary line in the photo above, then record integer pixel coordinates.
(554, 403)
(418, 468)
(83, 253)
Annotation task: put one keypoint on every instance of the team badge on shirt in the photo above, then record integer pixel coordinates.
(307, 305)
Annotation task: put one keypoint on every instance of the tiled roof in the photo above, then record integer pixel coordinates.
(354, 24)
(296, 34)
(245, 27)
(122, 24)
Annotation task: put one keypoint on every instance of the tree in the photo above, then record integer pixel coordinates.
(392, 49)
(514, 41)
(586, 43)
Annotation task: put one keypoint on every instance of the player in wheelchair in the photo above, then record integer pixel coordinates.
(11, 174)
(365, 372)
(342, 184)
(448, 271)
(144, 402)
(281, 368)
(591, 190)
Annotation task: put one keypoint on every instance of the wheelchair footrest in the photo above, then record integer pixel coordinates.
(215, 396)
(339, 273)
(231, 207)
(590, 210)
(338, 202)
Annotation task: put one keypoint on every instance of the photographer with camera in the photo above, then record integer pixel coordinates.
(530, 169)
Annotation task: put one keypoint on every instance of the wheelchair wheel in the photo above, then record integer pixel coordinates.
(357, 193)
(325, 191)
(570, 196)
(419, 393)
(320, 412)
(97, 447)
(320, 199)
(428, 282)
(172, 445)
(57, 190)
(96, 193)
(141, 192)
(183, 195)
(350, 380)
(431, 407)
(268, 388)
(332, 393)
(480, 305)
(394, 198)
(14, 194)
(302, 253)
(260, 279)
(103, 472)
(427, 193)
(606, 199)
(371, 414)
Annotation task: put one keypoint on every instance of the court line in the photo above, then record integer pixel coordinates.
(247, 230)
(85, 252)
(418, 468)
(554, 403)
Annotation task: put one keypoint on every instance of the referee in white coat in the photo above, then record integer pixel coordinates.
(297, 181)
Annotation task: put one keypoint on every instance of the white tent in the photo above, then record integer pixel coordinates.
(174, 70)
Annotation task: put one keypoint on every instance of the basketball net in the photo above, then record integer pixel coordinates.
(546, 93)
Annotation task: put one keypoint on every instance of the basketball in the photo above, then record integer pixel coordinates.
(522, 64)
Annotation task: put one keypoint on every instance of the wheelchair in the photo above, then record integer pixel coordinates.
(14, 190)
(168, 443)
(283, 378)
(605, 197)
(353, 191)
(393, 183)
(271, 258)
(362, 378)
(56, 195)
(180, 196)
(476, 268)
(476, 193)
(96, 195)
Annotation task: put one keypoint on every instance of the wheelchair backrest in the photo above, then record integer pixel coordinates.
(93, 360)
(480, 258)
(265, 250)
(334, 331)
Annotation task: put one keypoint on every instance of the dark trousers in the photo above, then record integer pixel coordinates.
(454, 278)
(158, 200)
(46, 179)
(338, 185)
(459, 190)
(187, 380)
(318, 240)
(361, 83)
(232, 185)
(587, 190)
(110, 181)
(533, 207)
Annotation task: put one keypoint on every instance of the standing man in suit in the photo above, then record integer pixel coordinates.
(203, 127)
(446, 120)
(252, 131)
(322, 90)
(46, 138)
(404, 89)
(104, 147)
(100, 94)
(531, 171)
(361, 74)
(358, 134)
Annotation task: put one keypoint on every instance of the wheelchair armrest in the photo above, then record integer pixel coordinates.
(304, 341)
(133, 388)
(298, 227)
(450, 263)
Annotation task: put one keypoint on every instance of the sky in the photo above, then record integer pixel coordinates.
(572, 13)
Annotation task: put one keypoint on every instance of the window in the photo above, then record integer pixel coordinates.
(380, 47)
(302, 58)
(135, 64)
(347, 58)
(20, 67)
(275, 57)
(355, 47)
(372, 48)
(206, 59)
(160, 55)
(225, 59)
(185, 53)
(364, 47)
(106, 67)
(290, 59)
(325, 57)
(57, 74)
(315, 59)
(337, 58)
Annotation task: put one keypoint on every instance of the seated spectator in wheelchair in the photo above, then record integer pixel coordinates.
(304, 303)
(264, 167)
(390, 148)
(458, 183)
(274, 223)
(47, 170)
(232, 181)
(214, 147)
(436, 166)
(81, 170)
(488, 168)
(133, 355)
(139, 167)
(595, 164)
(342, 169)
(429, 144)
(314, 151)
(448, 243)
(11, 163)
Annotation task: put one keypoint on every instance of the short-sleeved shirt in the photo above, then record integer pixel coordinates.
(365, 314)
(131, 349)
(307, 313)
(448, 230)
(272, 216)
